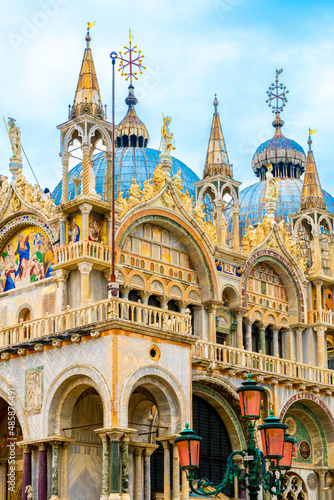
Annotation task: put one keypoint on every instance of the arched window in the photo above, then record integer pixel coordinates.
(172, 306)
(215, 445)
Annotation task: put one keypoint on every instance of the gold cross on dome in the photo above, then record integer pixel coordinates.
(130, 60)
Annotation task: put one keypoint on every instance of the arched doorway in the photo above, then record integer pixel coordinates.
(215, 445)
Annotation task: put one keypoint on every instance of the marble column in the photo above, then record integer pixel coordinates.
(86, 166)
(64, 471)
(166, 448)
(85, 209)
(322, 484)
(61, 276)
(212, 323)
(185, 486)
(317, 255)
(42, 472)
(219, 205)
(262, 338)
(299, 345)
(147, 471)
(176, 472)
(26, 477)
(236, 239)
(249, 324)
(105, 467)
(321, 346)
(55, 471)
(65, 159)
(239, 340)
(318, 285)
(85, 269)
(138, 477)
(125, 469)
(115, 469)
(62, 236)
(275, 341)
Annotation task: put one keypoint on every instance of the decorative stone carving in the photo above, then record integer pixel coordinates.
(211, 231)
(34, 196)
(187, 202)
(249, 240)
(29, 492)
(34, 391)
(123, 204)
(135, 194)
(178, 183)
(200, 215)
(15, 204)
(15, 138)
(148, 190)
(159, 178)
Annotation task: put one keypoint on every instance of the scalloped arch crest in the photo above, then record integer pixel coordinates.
(26, 220)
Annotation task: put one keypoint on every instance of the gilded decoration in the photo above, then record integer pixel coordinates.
(34, 196)
(26, 258)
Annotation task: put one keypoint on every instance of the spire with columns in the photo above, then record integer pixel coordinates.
(217, 161)
(87, 99)
(312, 195)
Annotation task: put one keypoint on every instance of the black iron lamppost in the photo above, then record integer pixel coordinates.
(277, 449)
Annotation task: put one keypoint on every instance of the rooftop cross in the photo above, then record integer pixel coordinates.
(129, 64)
(277, 92)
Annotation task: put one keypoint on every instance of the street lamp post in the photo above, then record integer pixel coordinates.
(277, 450)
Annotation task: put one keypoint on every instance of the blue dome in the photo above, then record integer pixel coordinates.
(138, 163)
(252, 202)
(279, 142)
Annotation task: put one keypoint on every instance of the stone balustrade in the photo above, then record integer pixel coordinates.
(269, 367)
(321, 316)
(114, 308)
(82, 248)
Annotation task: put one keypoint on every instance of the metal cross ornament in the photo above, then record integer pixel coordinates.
(277, 92)
(130, 60)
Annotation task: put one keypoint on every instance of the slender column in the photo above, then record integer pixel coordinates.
(64, 159)
(147, 471)
(85, 209)
(115, 469)
(239, 317)
(62, 237)
(26, 478)
(182, 305)
(212, 323)
(321, 341)
(317, 254)
(219, 205)
(138, 483)
(318, 285)
(236, 240)
(275, 341)
(249, 324)
(64, 471)
(299, 344)
(144, 297)
(86, 166)
(61, 276)
(163, 301)
(166, 448)
(55, 471)
(42, 472)
(85, 269)
(322, 484)
(176, 473)
(262, 338)
(288, 352)
(105, 467)
(107, 194)
(125, 469)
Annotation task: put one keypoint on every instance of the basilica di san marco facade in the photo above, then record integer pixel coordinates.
(212, 283)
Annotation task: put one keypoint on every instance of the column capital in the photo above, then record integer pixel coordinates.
(125, 289)
(85, 267)
(299, 330)
(85, 208)
(143, 294)
(60, 274)
(108, 155)
(137, 450)
(263, 325)
(318, 282)
(249, 321)
(320, 330)
(65, 156)
(63, 217)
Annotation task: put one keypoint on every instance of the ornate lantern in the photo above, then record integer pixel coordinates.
(188, 445)
(272, 435)
(250, 399)
(286, 461)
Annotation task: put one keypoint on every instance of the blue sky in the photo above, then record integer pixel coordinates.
(193, 49)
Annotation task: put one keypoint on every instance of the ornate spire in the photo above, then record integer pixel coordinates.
(87, 99)
(217, 161)
(312, 195)
(277, 100)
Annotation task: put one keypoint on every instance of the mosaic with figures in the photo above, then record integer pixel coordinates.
(27, 257)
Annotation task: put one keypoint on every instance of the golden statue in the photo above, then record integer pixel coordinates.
(210, 230)
(167, 136)
(135, 193)
(259, 234)
(266, 224)
(148, 190)
(187, 202)
(14, 137)
(272, 186)
(158, 179)
(199, 214)
(178, 183)
(123, 203)
(249, 240)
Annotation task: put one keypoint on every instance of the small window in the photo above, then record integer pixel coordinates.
(122, 258)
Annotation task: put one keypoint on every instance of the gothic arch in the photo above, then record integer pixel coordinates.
(69, 137)
(168, 393)
(106, 140)
(206, 190)
(198, 250)
(303, 218)
(227, 188)
(289, 277)
(325, 218)
(68, 385)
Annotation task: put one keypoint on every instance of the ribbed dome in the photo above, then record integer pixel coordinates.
(131, 131)
(133, 162)
(286, 155)
(252, 202)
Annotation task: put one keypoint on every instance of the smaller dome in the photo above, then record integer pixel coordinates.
(286, 155)
(131, 131)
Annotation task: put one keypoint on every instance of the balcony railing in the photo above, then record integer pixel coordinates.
(83, 248)
(320, 316)
(268, 366)
(115, 308)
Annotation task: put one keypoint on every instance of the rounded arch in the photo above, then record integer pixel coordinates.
(23, 311)
(325, 218)
(167, 392)
(231, 296)
(289, 277)
(199, 253)
(215, 390)
(156, 285)
(175, 290)
(137, 280)
(320, 421)
(16, 223)
(5, 387)
(300, 221)
(66, 386)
